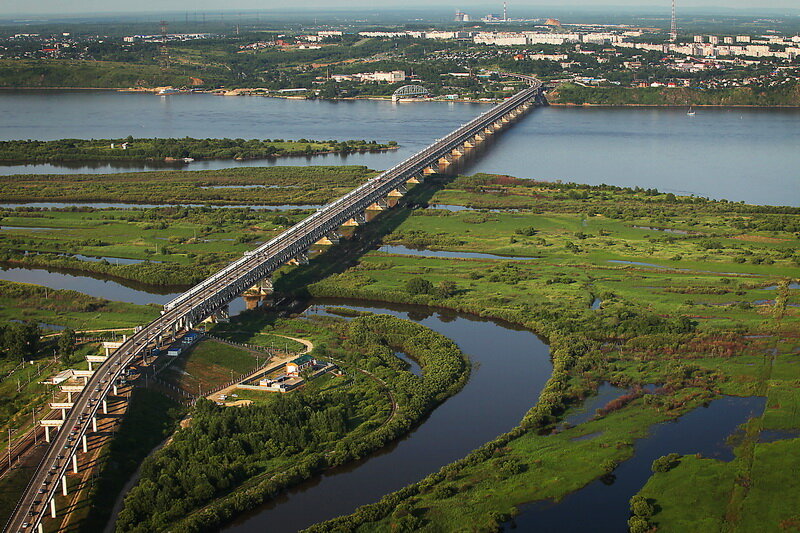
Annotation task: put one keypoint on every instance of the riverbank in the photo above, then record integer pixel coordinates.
(745, 96)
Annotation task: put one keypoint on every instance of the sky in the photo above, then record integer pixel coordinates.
(14, 7)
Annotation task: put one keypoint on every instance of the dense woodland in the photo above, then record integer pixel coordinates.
(264, 448)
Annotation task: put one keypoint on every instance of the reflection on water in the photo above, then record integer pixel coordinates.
(128, 205)
(97, 286)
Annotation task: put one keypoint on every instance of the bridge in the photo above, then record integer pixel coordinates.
(211, 297)
(409, 91)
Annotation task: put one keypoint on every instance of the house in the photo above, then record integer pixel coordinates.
(175, 349)
(295, 366)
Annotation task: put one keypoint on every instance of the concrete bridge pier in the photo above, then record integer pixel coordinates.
(64, 486)
(378, 205)
(414, 180)
(429, 170)
(85, 442)
(299, 259)
(94, 424)
(329, 239)
(74, 464)
(358, 220)
(53, 507)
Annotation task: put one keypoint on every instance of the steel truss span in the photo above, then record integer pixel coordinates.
(214, 293)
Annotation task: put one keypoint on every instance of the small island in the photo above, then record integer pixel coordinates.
(185, 149)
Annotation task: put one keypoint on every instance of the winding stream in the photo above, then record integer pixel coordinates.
(510, 367)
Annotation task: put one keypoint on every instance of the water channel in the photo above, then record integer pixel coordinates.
(704, 430)
(493, 401)
(661, 148)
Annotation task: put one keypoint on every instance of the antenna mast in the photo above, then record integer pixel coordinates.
(673, 29)
(163, 52)
(505, 12)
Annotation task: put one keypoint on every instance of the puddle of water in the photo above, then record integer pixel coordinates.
(605, 393)
(405, 250)
(774, 435)
(667, 230)
(30, 228)
(596, 303)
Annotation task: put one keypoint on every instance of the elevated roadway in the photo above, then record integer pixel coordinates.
(213, 294)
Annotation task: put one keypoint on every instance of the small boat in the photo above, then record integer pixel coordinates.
(691, 112)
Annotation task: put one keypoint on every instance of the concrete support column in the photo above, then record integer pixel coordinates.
(85, 444)
(74, 464)
(90, 366)
(94, 424)
(39, 528)
(69, 394)
(47, 433)
(53, 507)
(63, 414)
(64, 485)
(115, 390)
(105, 407)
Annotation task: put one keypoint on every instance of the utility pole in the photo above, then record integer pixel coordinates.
(9, 448)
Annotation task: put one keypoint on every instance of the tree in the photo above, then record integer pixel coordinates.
(66, 343)
(419, 286)
(665, 463)
(446, 288)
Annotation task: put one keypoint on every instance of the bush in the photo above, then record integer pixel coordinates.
(666, 463)
(419, 286)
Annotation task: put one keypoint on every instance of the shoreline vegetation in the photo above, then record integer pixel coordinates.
(572, 94)
(563, 95)
(184, 149)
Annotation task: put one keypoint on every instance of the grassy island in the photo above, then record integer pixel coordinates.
(133, 149)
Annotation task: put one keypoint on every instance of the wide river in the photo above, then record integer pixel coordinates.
(750, 155)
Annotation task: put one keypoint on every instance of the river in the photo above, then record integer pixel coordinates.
(719, 153)
(492, 402)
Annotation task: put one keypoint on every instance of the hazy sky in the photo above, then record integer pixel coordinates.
(8, 7)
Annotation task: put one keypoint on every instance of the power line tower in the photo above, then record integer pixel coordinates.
(673, 29)
(163, 52)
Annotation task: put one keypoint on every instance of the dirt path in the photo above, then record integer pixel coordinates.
(275, 362)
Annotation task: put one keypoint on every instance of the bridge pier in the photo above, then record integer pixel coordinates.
(329, 239)
(94, 424)
(105, 406)
(74, 464)
(53, 507)
(429, 170)
(85, 442)
(47, 434)
(299, 259)
(64, 486)
(378, 205)
(357, 220)
(413, 180)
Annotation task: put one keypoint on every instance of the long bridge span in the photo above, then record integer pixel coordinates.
(212, 296)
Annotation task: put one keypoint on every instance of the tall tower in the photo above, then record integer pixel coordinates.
(673, 29)
(505, 12)
(162, 49)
